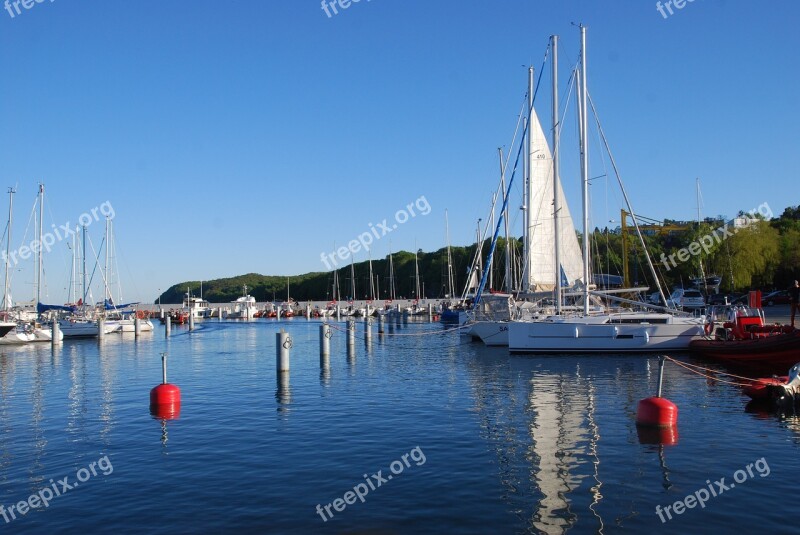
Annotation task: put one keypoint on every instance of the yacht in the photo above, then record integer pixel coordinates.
(243, 307)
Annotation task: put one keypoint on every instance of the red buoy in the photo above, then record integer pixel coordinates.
(657, 412)
(165, 399)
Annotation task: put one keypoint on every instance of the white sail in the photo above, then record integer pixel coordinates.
(541, 264)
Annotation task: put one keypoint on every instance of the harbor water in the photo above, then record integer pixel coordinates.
(419, 431)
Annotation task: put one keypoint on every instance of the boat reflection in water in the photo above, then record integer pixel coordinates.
(542, 425)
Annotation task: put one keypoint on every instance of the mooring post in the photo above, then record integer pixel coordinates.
(284, 344)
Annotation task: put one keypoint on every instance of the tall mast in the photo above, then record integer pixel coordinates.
(107, 281)
(73, 283)
(352, 279)
(450, 284)
(39, 255)
(526, 273)
(556, 180)
(416, 271)
(391, 275)
(83, 257)
(6, 297)
(371, 284)
(583, 113)
(509, 282)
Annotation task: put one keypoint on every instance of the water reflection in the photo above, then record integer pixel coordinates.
(543, 429)
(283, 394)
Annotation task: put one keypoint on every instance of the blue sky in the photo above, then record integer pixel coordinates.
(249, 136)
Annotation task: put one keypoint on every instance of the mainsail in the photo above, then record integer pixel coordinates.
(541, 269)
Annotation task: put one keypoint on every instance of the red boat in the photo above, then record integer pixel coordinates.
(759, 388)
(744, 340)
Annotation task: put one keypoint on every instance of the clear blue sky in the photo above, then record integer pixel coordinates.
(249, 136)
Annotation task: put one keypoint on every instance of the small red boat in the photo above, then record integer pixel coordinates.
(759, 388)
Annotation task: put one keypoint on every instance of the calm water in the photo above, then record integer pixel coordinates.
(492, 443)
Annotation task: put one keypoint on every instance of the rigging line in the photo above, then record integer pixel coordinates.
(625, 195)
(711, 377)
(711, 370)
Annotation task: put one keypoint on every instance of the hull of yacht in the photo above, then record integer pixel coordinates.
(604, 334)
(243, 314)
(491, 333)
(78, 328)
(15, 336)
(127, 326)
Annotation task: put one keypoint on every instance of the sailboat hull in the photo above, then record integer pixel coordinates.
(600, 335)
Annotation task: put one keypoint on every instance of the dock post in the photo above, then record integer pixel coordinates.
(55, 333)
(191, 320)
(368, 330)
(351, 333)
(101, 328)
(168, 326)
(136, 327)
(308, 311)
(325, 335)
(338, 312)
(380, 323)
(284, 344)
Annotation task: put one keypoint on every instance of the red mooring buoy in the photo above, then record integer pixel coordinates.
(657, 411)
(165, 399)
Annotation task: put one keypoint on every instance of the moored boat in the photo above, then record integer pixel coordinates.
(745, 340)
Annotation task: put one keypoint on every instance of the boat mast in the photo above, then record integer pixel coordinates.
(107, 281)
(450, 284)
(371, 283)
(6, 297)
(352, 279)
(526, 272)
(416, 272)
(700, 257)
(582, 113)
(39, 254)
(509, 282)
(83, 256)
(556, 180)
(391, 277)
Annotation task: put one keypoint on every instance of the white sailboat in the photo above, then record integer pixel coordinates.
(9, 334)
(549, 238)
(81, 323)
(39, 332)
(118, 320)
(605, 332)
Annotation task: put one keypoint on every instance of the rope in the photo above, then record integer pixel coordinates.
(694, 369)
(428, 333)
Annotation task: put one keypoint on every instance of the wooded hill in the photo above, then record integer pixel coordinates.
(764, 254)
